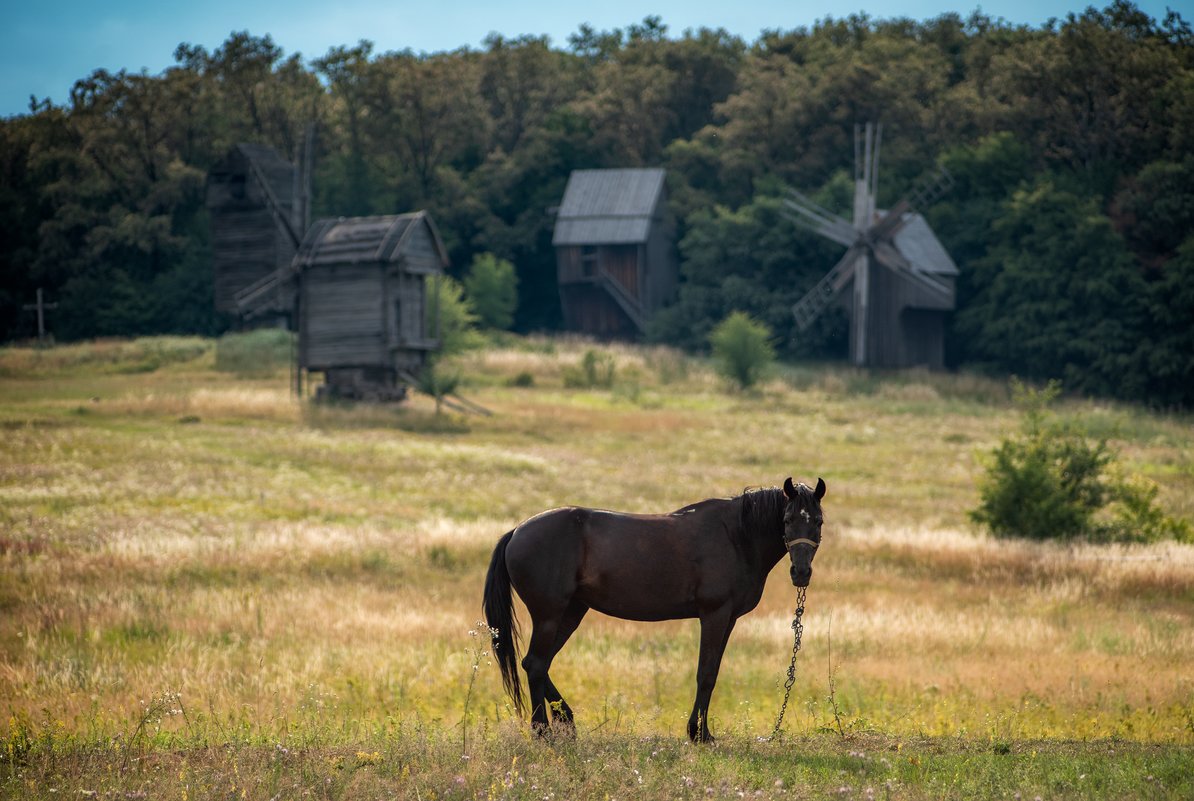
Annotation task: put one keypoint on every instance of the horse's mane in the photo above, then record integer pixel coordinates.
(763, 510)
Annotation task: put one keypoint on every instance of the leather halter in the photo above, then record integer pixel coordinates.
(800, 541)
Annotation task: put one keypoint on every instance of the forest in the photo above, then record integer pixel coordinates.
(1071, 146)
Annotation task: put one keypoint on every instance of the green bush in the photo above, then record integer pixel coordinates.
(259, 352)
(492, 288)
(595, 370)
(523, 379)
(1133, 515)
(1051, 482)
(742, 349)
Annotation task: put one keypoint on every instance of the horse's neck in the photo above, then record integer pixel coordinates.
(765, 539)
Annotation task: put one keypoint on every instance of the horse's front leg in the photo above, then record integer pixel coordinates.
(715, 633)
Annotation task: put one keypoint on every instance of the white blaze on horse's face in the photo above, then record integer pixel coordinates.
(802, 528)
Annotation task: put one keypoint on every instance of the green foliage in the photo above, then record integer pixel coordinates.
(453, 314)
(750, 259)
(742, 349)
(1168, 358)
(595, 370)
(1070, 144)
(1133, 514)
(492, 289)
(1051, 482)
(255, 353)
(522, 379)
(438, 381)
(1058, 295)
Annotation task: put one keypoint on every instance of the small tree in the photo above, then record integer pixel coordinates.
(457, 332)
(456, 318)
(742, 349)
(492, 287)
(438, 382)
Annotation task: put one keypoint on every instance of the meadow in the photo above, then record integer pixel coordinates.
(212, 589)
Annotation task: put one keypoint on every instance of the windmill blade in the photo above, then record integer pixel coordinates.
(887, 255)
(809, 308)
(924, 194)
(806, 212)
(931, 188)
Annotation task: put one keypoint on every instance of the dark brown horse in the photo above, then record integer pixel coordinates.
(708, 561)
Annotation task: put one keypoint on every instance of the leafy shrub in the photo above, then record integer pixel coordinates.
(595, 370)
(523, 379)
(1133, 515)
(259, 352)
(492, 288)
(1051, 482)
(742, 349)
(457, 319)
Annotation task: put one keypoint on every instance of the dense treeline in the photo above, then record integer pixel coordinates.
(1072, 144)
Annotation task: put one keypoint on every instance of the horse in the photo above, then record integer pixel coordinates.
(708, 560)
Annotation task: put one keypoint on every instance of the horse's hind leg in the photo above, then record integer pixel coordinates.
(561, 712)
(548, 635)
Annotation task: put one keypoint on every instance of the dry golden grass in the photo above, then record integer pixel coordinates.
(282, 567)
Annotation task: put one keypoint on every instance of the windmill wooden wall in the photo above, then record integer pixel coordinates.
(250, 197)
(614, 250)
(907, 324)
(908, 319)
(366, 301)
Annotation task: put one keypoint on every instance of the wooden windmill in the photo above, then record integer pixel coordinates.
(900, 276)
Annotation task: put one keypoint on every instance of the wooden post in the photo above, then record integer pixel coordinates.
(40, 307)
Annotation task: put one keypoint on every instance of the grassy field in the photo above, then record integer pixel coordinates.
(211, 590)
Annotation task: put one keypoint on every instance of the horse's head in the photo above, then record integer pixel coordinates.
(802, 527)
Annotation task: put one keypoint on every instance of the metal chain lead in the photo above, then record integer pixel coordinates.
(797, 630)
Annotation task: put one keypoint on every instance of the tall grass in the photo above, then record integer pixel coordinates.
(271, 600)
(255, 353)
(141, 355)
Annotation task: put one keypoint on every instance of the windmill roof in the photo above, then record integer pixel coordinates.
(606, 207)
(350, 240)
(917, 243)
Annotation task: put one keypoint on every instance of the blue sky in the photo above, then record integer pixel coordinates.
(46, 45)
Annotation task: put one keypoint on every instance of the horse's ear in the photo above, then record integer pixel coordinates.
(789, 490)
(819, 492)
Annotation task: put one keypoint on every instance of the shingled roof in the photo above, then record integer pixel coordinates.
(608, 207)
(363, 239)
(917, 243)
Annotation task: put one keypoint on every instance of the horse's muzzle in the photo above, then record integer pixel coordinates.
(801, 577)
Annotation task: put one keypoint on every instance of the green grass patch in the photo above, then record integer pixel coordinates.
(255, 353)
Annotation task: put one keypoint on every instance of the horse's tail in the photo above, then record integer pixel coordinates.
(498, 604)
